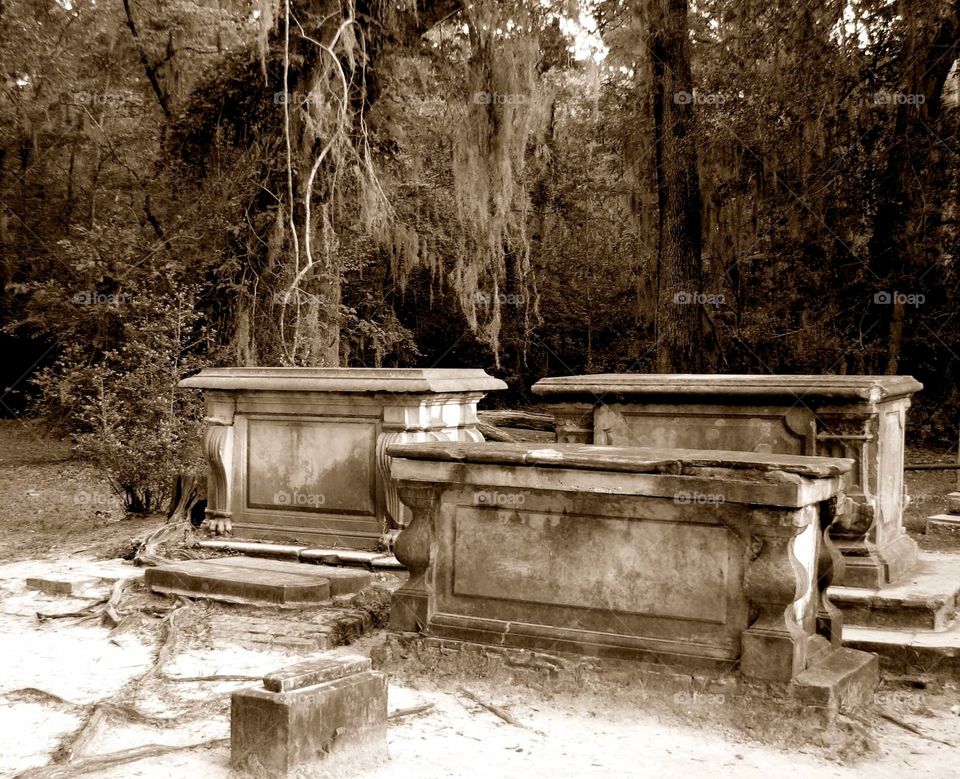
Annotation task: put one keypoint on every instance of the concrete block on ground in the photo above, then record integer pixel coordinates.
(62, 584)
(343, 581)
(339, 720)
(953, 502)
(844, 679)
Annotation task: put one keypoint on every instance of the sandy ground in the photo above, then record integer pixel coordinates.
(595, 733)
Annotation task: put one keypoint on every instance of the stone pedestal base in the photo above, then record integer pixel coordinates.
(877, 566)
(307, 714)
(408, 611)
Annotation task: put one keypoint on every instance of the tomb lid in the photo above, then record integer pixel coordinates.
(797, 388)
(345, 380)
(622, 459)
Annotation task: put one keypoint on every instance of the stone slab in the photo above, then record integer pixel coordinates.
(312, 672)
(256, 548)
(259, 633)
(299, 733)
(387, 562)
(953, 502)
(338, 556)
(81, 576)
(343, 581)
(345, 380)
(622, 459)
(928, 599)
(252, 580)
(614, 385)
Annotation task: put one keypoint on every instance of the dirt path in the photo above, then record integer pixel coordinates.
(53, 503)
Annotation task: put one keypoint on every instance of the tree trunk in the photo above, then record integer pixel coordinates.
(679, 322)
(896, 248)
(188, 491)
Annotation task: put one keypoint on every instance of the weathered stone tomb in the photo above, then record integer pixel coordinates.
(858, 417)
(707, 559)
(300, 453)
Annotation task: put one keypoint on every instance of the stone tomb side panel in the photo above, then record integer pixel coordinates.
(736, 428)
(626, 565)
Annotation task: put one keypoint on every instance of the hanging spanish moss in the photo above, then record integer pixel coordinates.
(505, 105)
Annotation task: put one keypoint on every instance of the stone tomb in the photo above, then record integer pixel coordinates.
(298, 454)
(693, 558)
(332, 708)
(858, 417)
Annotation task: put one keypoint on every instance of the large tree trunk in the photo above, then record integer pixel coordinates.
(679, 324)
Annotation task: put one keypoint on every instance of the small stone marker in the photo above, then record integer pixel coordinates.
(333, 707)
(63, 584)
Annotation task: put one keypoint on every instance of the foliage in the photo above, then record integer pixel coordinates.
(123, 336)
(518, 233)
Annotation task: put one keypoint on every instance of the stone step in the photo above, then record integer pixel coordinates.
(944, 527)
(927, 600)
(920, 652)
(255, 581)
(304, 554)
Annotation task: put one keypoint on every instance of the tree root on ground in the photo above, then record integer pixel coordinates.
(64, 759)
(88, 764)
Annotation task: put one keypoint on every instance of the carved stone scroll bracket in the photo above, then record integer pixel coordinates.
(394, 517)
(409, 610)
(218, 449)
(774, 646)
